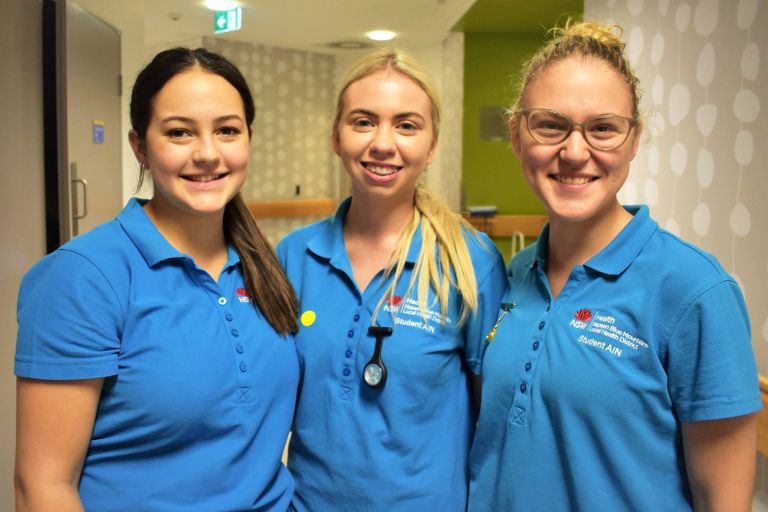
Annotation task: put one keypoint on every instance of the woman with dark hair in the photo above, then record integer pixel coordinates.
(156, 367)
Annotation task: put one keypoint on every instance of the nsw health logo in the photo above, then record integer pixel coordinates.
(581, 318)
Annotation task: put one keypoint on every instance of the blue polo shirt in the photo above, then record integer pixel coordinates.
(199, 390)
(584, 395)
(404, 446)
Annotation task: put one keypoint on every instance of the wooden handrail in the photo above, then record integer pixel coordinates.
(292, 208)
(504, 226)
(762, 418)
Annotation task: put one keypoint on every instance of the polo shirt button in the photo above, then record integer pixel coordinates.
(222, 300)
(239, 348)
(523, 387)
(356, 317)
(346, 372)
(229, 317)
(350, 333)
(535, 345)
(541, 325)
(235, 333)
(528, 366)
(348, 353)
(243, 367)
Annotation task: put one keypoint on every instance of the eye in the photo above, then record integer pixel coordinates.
(408, 126)
(229, 131)
(177, 133)
(606, 127)
(362, 122)
(549, 124)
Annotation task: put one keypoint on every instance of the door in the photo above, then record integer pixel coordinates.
(94, 148)
(88, 141)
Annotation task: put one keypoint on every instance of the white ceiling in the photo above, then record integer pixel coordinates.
(299, 24)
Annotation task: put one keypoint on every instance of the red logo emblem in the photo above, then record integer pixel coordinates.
(242, 292)
(395, 301)
(584, 315)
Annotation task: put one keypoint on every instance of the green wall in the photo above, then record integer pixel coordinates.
(491, 173)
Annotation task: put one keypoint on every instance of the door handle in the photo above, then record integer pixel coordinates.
(84, 184)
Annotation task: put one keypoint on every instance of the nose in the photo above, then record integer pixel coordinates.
(206, 153)
(575, 148)
(383, 140)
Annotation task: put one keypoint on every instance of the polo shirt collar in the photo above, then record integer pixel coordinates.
(152, 245)
(620, 252)
(328, 243)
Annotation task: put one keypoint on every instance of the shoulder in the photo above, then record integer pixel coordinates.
(483, 252)
(523, 260)
(683, 263)
(92, 260)
(102, 241)
(99, 246)
(295, 243)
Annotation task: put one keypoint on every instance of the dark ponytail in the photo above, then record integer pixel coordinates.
(268, 287)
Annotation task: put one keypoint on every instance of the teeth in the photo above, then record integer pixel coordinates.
(204, 178)
(572, 180)
(382, 171)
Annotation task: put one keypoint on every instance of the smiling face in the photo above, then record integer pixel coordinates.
(384, 136)
(576, 183)
(196, 145)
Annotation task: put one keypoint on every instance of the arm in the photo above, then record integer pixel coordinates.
(54, 423)
(720, 458)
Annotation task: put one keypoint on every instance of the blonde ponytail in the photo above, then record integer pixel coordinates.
(443, 261)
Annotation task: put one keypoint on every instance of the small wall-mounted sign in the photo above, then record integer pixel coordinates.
(97, 131)
(227, 21)
(493, 124)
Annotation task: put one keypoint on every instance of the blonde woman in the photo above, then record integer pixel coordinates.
(620, 376)
(395, 295)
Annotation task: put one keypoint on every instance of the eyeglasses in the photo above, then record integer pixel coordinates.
(604, 132)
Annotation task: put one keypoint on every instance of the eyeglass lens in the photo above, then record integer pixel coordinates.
(602, 132)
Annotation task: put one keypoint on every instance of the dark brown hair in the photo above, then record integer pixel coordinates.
(270, 291)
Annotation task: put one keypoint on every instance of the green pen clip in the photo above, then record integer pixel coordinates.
(506, 307)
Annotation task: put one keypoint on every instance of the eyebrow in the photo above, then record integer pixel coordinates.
(183, 119)
(403, 115)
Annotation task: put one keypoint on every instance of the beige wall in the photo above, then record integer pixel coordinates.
(293, 91)
(22, 230)
(295, 94)
(704, 72)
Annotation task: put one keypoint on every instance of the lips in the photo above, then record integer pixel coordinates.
(381, 169)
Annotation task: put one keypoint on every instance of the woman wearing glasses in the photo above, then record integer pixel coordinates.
(620, 374)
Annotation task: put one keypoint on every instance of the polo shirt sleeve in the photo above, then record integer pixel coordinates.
(711, 367)
(70, 321)
(491, 286)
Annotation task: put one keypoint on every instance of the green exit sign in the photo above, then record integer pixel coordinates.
(227, 21)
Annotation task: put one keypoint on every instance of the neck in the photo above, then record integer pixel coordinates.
(199, 236)
(376, 220)
(575, 243)
(371, 232)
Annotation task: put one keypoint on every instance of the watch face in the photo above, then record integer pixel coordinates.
(372, 374)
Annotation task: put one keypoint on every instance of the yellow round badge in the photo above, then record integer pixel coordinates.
(308, 318)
